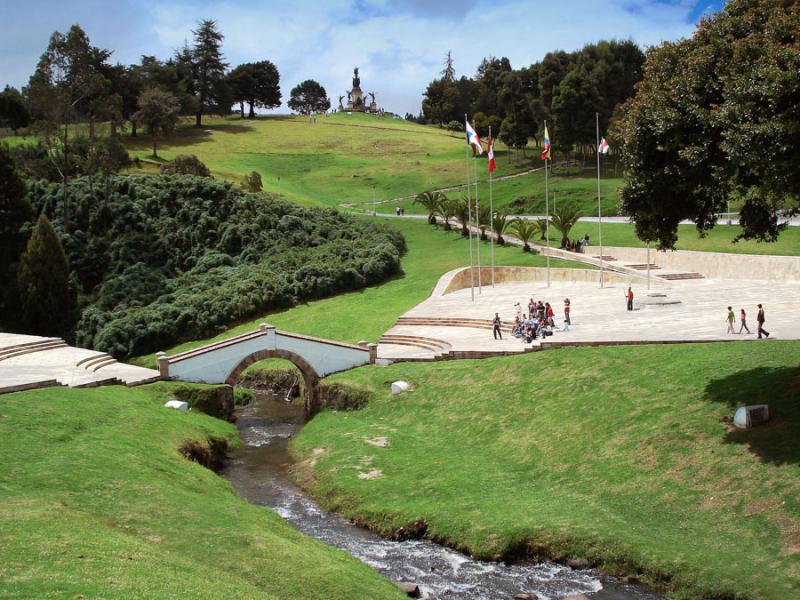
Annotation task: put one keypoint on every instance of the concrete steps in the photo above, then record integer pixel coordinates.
(451, 322)
(29, 348)
(680, 276)
(28, 362)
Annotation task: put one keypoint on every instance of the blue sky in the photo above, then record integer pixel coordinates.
(398, 44)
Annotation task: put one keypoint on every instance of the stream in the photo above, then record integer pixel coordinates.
(258, 473)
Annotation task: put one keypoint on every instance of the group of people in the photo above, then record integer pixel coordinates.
(760, 319)
(539, 321)
(578, 245)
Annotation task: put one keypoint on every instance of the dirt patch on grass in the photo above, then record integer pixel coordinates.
(380, 442)
(373, 474)
(213, 454)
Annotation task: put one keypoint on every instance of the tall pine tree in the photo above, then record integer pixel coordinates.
(47, 301)
(208, 66)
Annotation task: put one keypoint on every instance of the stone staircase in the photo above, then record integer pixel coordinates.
(435, 349)
(680, 276)
(28, 362)
(451, 322)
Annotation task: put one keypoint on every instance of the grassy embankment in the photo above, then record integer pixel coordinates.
(624, 455)
(342, 158)
(96, 502)
(368, 313)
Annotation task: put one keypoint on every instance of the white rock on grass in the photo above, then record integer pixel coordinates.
(398, 387)
(177, 404)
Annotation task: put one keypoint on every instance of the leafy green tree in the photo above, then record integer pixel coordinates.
(514, 133)
(69, 82)
(252, 182)
(159, 112)
(564, 218)
(208, 67)
(257, 84)
(46, 296)
(430, 202)
(525, 230)
(309, 96)
(13, 112)
(575, 102)
(714, 119)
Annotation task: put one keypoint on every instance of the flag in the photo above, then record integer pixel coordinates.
(603, 148)
(490, 153)
(473, 139)
(546, 152)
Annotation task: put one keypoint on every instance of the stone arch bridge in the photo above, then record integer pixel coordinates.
(224, 361)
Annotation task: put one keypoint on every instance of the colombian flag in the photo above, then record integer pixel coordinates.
(546, 152)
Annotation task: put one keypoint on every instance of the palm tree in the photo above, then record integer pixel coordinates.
(484, 221)
(541, 228)
(462, 214)
(524, 230)
(447, 210)
(564, 218)
(430, 201)
(500, 223)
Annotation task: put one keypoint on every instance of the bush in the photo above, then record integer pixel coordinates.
(170, 258)
(455, 126)
(243, 396)
(185, 164)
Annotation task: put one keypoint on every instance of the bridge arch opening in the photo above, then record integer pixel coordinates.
(310, 376)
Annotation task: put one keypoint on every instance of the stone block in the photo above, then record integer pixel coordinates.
(177, 404)
(398, 387)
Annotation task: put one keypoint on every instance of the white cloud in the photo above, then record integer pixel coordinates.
(398, 45)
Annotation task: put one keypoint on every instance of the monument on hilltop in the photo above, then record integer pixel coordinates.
(356, 99)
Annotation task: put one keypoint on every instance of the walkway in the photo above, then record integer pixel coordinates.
(28, 362)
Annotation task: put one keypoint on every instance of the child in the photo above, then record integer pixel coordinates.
(730, 320)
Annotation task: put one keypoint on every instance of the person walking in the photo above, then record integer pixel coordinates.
(730, 318)
(496, 327)
(743, 321)
(629, 297)
(566, 312)
(761, 318)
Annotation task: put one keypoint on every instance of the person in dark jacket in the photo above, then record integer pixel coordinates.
(761, 318)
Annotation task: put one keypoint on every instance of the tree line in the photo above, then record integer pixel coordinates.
(565, 88)
(75, 83)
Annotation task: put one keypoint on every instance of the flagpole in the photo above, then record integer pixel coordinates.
(477, 220)
(547, 212)
(469, 223)
(599, 211)
(491, 209)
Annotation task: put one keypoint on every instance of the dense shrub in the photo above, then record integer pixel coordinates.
(169, 258)
(186, 164)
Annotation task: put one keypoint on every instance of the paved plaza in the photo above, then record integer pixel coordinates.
(692, 310)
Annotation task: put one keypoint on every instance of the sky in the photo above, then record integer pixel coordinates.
(399, 45)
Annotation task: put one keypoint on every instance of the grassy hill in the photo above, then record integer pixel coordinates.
(96, 502)
(625, 455)
(353, 158)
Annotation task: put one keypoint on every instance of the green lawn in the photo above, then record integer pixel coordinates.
(528, 191)
(339, 159)
(368, 313)
(624, 455)
(96, 502)
(719, 239)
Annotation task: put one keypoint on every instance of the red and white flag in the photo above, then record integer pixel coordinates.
(604, 147)
(490, 154)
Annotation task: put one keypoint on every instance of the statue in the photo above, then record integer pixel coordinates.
(356, 79)
(372, 95)
(340, 102)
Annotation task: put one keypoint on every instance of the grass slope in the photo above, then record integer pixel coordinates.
(339, 159)
(368, 313)
(96, 502)
(621, 454)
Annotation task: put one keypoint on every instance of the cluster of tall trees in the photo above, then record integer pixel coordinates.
(565, 88)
